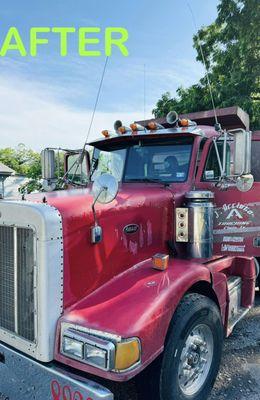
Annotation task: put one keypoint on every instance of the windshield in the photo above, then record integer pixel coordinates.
(164, 160)
(108, 161)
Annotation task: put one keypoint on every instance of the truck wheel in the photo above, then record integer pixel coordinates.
(193, 351)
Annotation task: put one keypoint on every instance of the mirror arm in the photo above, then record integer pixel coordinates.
(218, 157)
(94, 203)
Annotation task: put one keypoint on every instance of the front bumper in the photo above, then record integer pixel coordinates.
(24, 379)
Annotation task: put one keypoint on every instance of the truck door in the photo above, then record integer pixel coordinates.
(237, 214)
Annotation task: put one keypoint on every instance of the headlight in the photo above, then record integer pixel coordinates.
(96, 356)
(73, 347)
(101, 353)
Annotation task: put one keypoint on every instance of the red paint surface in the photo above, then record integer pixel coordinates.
(138, 303)
(106, 286)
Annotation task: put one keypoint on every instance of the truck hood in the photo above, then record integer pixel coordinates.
(88, 266)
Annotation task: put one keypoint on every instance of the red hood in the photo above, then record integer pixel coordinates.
(88, 266)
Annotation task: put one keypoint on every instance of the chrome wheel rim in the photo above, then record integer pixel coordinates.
(196, 359)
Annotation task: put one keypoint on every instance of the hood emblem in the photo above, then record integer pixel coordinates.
(131, 228)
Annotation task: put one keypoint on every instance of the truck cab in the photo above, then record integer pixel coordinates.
(137, 269)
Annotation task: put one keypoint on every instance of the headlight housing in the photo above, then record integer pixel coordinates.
(108, 355)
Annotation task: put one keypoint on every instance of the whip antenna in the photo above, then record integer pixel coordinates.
(218, 127)
(80, 159)
(96, 102)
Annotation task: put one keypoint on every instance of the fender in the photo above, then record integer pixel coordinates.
(138, 303)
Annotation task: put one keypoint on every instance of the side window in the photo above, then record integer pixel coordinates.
(256, 160)
(212, 169)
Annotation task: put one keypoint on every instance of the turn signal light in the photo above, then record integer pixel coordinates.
(127, 354)
(161, 261)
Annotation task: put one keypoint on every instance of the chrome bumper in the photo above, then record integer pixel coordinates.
(24, 379)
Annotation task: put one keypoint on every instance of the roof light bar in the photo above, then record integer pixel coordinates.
(153, 126)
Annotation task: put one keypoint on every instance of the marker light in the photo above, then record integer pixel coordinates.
(184, 122)
(105, 133)
(123, 130)
(136, 127)
(128, 353)
(160, 261)
(153, 126)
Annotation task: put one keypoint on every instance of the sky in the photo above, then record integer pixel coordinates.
(47, 101)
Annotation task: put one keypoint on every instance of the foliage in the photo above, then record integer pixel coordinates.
(231, 49)
(28, 163)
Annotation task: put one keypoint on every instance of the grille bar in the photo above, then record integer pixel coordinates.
(17, 299)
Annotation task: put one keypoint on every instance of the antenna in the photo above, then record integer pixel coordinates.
(217, 126)
(144, 91)
(81, 156)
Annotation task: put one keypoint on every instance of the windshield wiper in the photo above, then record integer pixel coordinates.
(148, 180)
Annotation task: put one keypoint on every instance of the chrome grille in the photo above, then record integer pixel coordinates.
(17, 300)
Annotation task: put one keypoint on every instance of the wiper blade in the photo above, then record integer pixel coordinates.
(148, 180)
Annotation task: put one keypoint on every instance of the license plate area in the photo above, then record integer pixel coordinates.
(23, 378)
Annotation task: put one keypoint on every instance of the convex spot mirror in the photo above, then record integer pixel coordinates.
(105, 188)
(245, 182)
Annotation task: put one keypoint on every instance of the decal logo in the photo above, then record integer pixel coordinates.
(232, 225)
(234, 213)
(131, 228)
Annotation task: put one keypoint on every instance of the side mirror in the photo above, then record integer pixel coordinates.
(48, 169)
(76, 167)
(104, 190)
(242, 154)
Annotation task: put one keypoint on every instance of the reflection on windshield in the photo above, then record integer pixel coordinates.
(111, 162)
(165, 160)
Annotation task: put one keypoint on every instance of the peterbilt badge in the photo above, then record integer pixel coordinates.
(131, 228)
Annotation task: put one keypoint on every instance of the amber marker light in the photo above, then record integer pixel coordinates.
(128, 354)
(184, 122)
(122, 130)
(152, 126)
(134, 127)
(105, 133)
(161, 261)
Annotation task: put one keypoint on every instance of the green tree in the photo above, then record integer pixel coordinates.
(231, 48)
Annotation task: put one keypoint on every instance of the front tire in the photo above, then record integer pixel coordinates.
(193, 351)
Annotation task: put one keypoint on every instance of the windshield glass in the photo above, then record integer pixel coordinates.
(110, 161)
(164, 160)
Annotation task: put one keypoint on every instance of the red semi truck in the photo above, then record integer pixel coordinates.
(139, 268)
